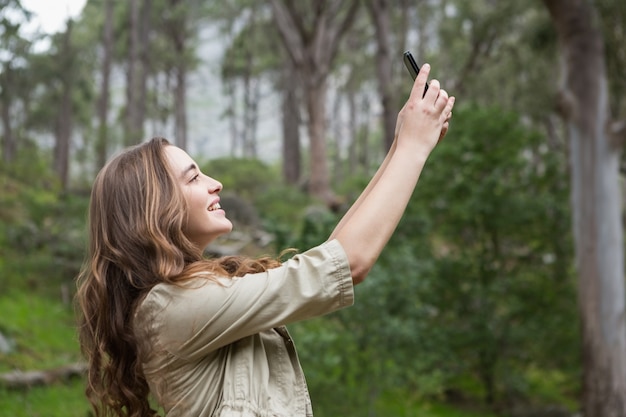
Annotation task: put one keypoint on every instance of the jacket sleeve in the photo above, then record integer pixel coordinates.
(203, 315)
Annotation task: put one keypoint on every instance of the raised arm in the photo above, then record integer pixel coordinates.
(367, 226)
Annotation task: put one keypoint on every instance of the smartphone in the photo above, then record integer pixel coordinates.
(413, 68)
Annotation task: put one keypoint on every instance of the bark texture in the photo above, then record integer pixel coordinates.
(596, 203)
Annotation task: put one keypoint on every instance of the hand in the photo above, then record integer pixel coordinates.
(424, 121)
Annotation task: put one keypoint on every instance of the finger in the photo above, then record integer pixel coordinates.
(447, 110)
(420, 83)
(434, 89)
(442, 100)
(444, 130)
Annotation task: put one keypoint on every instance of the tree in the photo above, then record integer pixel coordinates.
(177, 27)
(596, 205)
(14, 50)
(64, 120)
(135, 75)
(250, 56)
(380, 14)
(104, 99)
(291, 126)
(311, 38)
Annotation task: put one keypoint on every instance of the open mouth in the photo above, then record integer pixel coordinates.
(215, 206)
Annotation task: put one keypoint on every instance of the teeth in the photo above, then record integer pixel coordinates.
(215, 206)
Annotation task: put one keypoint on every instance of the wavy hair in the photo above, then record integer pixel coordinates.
(136, 241)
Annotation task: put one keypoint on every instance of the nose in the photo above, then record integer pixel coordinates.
(214, 185)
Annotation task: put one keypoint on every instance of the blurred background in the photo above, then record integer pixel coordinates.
(501, 291)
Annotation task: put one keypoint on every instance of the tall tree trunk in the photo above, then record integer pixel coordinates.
(180, 96)
(177, 28)
(319, 183)
(63, 133)
(63, 130)
(145, 26)
(291, 126)
(338, 139)
(230, 89)
(363, 137)
(132, 131)
(353, 129)
(380, 15)
(312, 49)
(596, 200)
(104, 99)
(251, 96)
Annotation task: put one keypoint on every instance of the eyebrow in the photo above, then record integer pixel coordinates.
(189, 168)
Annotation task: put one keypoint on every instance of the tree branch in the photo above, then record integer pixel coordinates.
(22, 380)
(335, 32)
(290, 32)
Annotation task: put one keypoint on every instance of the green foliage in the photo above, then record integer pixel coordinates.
(249, 178)
(503, 293)
(42, 237)
(473, 298)
(502, 53)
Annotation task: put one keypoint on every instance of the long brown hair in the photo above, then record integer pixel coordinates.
(136, 217)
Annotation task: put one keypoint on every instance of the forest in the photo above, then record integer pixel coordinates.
(501, 294)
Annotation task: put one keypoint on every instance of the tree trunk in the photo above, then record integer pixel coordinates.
(338, 139)
(180, 124)
(63, 130)
(230, 89)
(380, 15)
(63, 134)
(251, 96)
(319, 182)
(363, 137)
(596, 201)
(312, 50)
(353, 132)
(145, 26)
(104, 99)
(29, 379)
(133, 126)
(291, 127)
(177, 30)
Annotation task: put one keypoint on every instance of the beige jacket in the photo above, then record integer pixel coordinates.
(223, 350)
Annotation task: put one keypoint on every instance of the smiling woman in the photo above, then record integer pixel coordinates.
(207, 337)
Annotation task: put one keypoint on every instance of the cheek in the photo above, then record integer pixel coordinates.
(195, 202)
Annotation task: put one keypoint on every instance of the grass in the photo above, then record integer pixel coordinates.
(58, 400)
(43, 333)
(44, 337)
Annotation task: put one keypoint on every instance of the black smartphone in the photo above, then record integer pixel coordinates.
(413, 68)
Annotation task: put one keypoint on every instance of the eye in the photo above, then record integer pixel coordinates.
(195, 178)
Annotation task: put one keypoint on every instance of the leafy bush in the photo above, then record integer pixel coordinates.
(42, 231)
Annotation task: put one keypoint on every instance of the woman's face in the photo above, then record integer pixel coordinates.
(206, 220)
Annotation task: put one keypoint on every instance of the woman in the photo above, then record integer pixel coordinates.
(207, 337)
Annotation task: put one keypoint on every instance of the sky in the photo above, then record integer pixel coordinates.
(50, 15)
